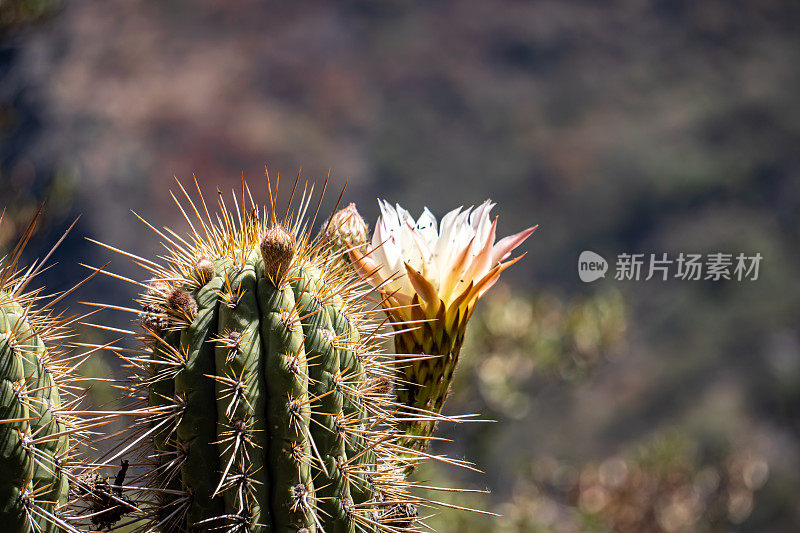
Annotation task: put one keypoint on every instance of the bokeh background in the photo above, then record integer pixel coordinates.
(617, 125)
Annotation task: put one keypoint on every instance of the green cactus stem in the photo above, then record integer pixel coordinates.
(267, 405)
(39, 420)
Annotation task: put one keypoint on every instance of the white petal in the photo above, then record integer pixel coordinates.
(463, 235)
(377, 248)
(379, 234)
(459, 237)
(409, 249)
(427, 228)
(403, 216)
(463, 231)
(428, 267)
(480, 213)
(446, 229)
(394, 255)
(389, 215)
(481, 220)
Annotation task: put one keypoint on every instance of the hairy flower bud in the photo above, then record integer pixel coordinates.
(182, 304)
(346, 229)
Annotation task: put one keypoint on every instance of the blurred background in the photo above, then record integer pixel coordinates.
(618, 126)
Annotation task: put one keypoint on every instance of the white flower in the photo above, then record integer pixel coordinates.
(448, 265)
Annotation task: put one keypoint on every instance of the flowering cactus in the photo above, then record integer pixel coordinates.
(432, 275)
(264, 398)
(265, 402)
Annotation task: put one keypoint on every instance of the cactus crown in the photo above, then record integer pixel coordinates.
(278, 248)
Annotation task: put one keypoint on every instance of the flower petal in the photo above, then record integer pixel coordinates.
(480, 220)
(456, 273)
(388, 214)
(482, 262)
(506, 245)
(403, 216)
(446, 227)
(423, 287)
(491, 277)
(367, 268)
(392, 251)
(462, 302)
(425, 254)
(453, 264)
(426, 228)
(441, 251)
(460, 237)
(379, 236)
(409, 251)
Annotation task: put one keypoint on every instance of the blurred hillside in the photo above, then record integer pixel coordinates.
(618, 126)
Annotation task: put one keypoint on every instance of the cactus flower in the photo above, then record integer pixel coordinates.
(432, 275)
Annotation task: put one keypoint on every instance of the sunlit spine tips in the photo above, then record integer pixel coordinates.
(37, 437)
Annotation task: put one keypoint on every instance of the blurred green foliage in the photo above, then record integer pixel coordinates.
(14, 13)
(660, 486)
(514, 341)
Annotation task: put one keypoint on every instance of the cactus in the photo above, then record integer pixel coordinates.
(267, 398)
(40, 425)
(33, 440)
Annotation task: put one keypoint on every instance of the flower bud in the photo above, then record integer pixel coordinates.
(346, 229)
